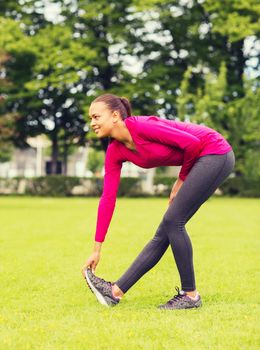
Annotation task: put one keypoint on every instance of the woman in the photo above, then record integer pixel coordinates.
(149, 141)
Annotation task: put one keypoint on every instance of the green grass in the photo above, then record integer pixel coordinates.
(45, 303)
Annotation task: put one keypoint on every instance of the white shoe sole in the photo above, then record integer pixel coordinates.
(98, 295)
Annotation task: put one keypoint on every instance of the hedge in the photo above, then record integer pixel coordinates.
(60, 186)
(64, 186)
(241, 187)
(236, 186)
(54, 186)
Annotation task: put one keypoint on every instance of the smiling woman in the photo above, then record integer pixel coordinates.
(149, 141)
(114, 102)
(107, 114)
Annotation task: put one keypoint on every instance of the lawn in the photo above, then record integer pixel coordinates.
(45, 303)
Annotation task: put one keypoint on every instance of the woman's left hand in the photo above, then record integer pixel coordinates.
(175, 189)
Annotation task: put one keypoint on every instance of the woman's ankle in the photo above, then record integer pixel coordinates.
(117, 292)
(193, 293)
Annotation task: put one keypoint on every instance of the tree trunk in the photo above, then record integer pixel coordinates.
(54, 153)
(65, 158)
(236, 66)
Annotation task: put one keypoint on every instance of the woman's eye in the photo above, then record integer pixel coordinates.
(95, 117)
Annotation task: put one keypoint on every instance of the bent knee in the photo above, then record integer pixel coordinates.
(173, 221)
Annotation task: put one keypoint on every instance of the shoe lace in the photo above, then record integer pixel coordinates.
(177, 296)
(106, 285)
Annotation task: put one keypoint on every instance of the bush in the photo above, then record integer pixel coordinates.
(129, 186)
(236, 186)
(242, 187)
(164, 180)
(52, 185)
(60, 186)
(163, 185)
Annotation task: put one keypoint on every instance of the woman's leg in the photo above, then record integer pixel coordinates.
(204, 178)
(149, 256)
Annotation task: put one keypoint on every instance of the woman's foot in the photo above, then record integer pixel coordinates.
(117, 292)
(182, 301)
(101, 289)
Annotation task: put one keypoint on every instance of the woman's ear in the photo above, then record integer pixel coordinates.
(116, 116)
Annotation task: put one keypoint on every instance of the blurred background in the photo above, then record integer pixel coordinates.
(189, 60)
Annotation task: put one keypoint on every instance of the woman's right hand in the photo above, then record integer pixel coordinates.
(175, 189)
(92, 262)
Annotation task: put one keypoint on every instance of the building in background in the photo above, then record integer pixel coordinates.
(33, 162)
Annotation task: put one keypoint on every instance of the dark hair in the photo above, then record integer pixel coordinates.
(115, 102)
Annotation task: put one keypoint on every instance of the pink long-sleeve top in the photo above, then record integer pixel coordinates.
(158, 142)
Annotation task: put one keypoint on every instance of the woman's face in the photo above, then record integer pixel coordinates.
(102, 119)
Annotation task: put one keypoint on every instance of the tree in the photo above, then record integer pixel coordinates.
(44, 96)
(57, 68)
(237, 120)
(234, 21)
(29, 13)
(95, 160)
(242, 116)
(102, 26)
(9, 118)
(196, 34)
(60, 63)
(6, 136)
(72, 60)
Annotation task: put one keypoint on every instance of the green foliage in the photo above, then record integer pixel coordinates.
(64, 186)
(163, 185)
(185, 99)
(95, 160)
(234, 19)
(242, 187)
(161, 170)
(237, 120)
(195, 34)
(6, 151)
(20, 56)
(243, 118)
(60, 58)
(12, 35)
(52, 71)
(164, 180)
(30, 13)
(7, 134)
(209, 106)
(43, 70)
(129, 186)
(54, 186)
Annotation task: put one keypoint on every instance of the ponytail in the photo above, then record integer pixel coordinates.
(115, 102)
(127, 106)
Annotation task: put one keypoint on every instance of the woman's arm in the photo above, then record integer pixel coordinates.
(97, 247)
(94, 258)
(113, 165)
(175, 189)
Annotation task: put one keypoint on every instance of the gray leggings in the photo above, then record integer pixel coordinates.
(205, 176)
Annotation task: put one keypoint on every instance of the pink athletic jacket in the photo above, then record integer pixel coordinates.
(159, 142)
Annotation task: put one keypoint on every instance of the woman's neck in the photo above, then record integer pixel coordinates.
(122, 134)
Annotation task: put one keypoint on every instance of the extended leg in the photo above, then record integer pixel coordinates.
(148, 257)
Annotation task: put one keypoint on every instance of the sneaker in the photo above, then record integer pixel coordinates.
(101, 288)
(181, 301)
